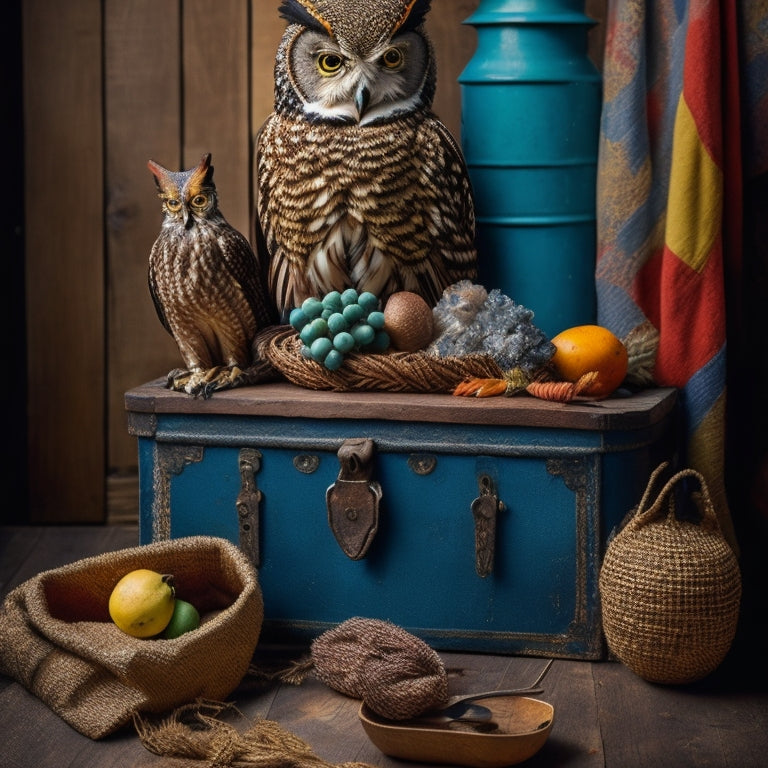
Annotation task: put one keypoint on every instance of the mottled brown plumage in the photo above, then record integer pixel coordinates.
(360, 185)
(208, 286)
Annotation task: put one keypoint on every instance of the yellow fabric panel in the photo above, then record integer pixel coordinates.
(695, 194)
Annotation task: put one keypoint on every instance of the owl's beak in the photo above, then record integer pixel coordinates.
(362, 97)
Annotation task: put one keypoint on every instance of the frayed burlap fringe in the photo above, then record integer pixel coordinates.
(642, 344)
(195, 733)
(294, 672)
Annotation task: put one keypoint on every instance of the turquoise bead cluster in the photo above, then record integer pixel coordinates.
(337, 324)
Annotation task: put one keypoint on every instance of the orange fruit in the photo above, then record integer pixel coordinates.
(586, 348)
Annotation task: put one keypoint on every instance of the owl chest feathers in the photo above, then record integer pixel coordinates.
(365, 206)
(196, 279)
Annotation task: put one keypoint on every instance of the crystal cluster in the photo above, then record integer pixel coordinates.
(469, 320)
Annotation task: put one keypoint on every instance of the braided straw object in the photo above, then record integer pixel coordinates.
(394, 672)
(391, 372)
(670, 589)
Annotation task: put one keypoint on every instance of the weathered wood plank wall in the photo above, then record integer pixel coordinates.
(109, 84)
(65, 267)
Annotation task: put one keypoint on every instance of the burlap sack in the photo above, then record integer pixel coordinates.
(57, 639)
(394, 672)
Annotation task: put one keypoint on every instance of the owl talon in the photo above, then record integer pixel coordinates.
(177, 379)
(204, 383)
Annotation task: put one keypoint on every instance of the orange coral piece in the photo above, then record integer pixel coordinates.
(465, 388)
(492, 388)
(558, 391)
(562, 391)
(480, 388)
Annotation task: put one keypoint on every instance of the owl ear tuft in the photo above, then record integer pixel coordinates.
(304, 12)
(203, 174)
(413, 15)
(159, 174)
(156, 168)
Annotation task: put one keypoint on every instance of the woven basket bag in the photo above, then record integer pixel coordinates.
(670, 589)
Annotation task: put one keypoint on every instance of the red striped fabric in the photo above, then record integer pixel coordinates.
(669, 174)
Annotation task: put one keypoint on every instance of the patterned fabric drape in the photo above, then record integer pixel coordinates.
(670, 202)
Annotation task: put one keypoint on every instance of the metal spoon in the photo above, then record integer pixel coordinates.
(463, 708)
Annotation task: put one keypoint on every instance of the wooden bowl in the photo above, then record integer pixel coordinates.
(523, 727)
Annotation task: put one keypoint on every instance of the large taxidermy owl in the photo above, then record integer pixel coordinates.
(208, 286)
(359, 184)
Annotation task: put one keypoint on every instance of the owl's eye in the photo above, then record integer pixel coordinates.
(328, 64)
(392, 58)
(199, 201)
(173, 205)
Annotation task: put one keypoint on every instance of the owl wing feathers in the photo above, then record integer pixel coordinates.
(155, 257)
(248, 269)
(449, 211)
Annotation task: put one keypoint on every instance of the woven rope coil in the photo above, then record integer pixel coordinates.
(394, 672)
(391, 372)
(670, 589)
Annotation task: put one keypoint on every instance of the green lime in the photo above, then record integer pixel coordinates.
(185, 618)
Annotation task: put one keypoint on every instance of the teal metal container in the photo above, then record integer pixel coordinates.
(531, 101)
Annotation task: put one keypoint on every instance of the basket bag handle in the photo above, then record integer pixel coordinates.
(648, 512)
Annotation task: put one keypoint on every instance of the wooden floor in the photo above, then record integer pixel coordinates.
(604, 715)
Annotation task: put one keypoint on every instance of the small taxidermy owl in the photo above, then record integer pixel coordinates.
(360, 185)
(208, 286)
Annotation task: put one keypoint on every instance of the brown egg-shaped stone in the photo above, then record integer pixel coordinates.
(408, 321)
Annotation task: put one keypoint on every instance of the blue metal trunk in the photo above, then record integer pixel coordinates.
(254, 465)
(531, 103)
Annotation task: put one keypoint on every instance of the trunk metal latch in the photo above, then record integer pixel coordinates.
(248, 503)
(353, 500)
(485, 509)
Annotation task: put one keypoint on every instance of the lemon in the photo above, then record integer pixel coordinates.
(141, 603)
(185, 618)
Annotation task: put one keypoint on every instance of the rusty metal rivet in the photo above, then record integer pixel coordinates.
(306, 463)
(422, 463)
